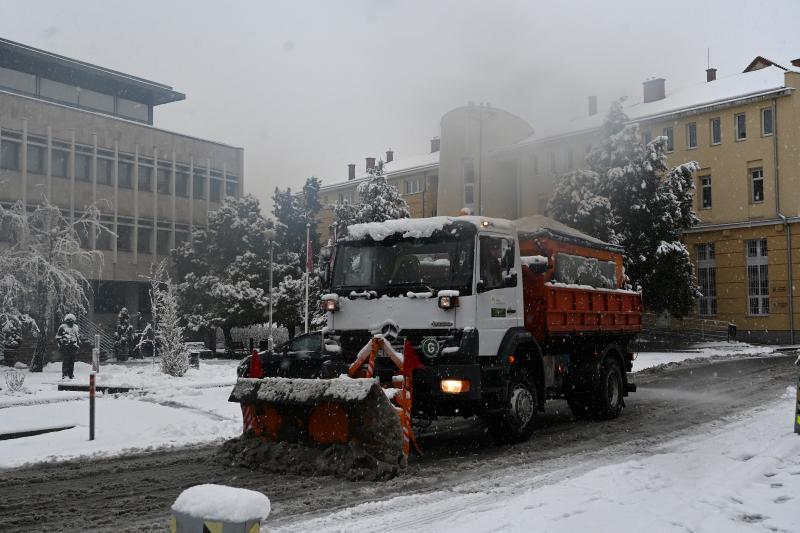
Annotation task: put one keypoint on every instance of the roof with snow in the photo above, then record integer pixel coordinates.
(755, 83)
(403, 165)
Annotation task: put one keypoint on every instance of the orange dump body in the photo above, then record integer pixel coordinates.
(555, 309)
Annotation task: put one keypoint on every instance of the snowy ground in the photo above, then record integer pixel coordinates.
(162, 411)
(167, 411)
(706, 350)
(732, 475)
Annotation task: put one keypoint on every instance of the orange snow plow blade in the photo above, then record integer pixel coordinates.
(323, 412)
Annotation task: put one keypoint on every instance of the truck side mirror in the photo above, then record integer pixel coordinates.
(326, 280)
(510, 279)
(480, 286)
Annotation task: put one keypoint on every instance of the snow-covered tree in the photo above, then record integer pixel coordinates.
(222, 271)
(629, 195)
(379, 199)
(123, 335)
(172, 352)
(293, 212)
(289, 303)
(46, 265)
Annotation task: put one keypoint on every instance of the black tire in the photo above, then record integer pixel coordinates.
(518, 419)
(608, 401)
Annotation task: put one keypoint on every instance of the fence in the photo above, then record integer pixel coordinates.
(668, 329)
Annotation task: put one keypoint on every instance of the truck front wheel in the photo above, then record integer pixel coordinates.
(516, 422)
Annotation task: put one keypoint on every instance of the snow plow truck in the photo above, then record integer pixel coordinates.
(455, 316)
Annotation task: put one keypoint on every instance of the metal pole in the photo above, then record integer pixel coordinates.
(269, 337)
(308, 262)
(95, 368)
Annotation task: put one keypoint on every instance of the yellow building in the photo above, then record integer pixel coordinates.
(743, 130)
(416, 177)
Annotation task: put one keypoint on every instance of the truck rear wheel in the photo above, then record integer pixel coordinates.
(610, 390)
(517, 421)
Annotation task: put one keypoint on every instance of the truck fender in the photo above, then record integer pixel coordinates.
(514, 339)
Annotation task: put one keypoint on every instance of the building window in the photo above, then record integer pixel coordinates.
(741, 126)
(125, 174)
(231, 188)
(58, 91)
(215, 194)
(131, 109)
(757, 277)
(716, 131)
(109, 296)
(36, 155)
(707, 279)
(105, 171)
(163, 181)
(757, 184)
(705, 192)
(413, 186)
(691, 135)
(18, 81)
(647, 137)
(83, 167)
(182, 184)
(95, 100)
(143, 236)
(145, 178)
(162, 241)
(767, 123)
(59, 163)
(199, 185)
(468, 170)
(669, 134)
(124, 238)
(345, 197)
(9, 155)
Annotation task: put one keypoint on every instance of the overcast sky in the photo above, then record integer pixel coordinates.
(308, 87)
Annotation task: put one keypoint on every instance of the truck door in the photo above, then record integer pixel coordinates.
(498, 308)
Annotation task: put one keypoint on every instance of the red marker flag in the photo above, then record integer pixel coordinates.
(410, 359)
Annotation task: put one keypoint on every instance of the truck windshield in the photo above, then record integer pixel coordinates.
(396, 266)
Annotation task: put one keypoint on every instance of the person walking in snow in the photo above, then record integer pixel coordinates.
(68, 339)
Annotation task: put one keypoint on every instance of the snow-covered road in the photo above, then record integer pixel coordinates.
(739, 475)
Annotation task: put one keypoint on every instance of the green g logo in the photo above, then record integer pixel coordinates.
(430, 346)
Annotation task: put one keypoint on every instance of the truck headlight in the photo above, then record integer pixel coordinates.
(448, 302)
(330, 306)
(454, 386)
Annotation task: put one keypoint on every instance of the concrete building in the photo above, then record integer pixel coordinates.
(743, 129)
(83, 134)
(416, 177)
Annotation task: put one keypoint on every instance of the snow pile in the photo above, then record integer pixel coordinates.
(407, 227)
(698, 352)
(218, 502)
(302, 391)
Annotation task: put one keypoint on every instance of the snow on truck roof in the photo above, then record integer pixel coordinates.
(533, 225)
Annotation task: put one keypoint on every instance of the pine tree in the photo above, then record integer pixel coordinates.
(172, 352)
(123, 335)
(379, 200)
(632, 197)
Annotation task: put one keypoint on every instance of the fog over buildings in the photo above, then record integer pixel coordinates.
(308, 87)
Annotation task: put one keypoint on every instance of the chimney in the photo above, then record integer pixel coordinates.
(654, 90)
(592, 105)
(389, 155)
(351, 171)
(370, 163)
(435, 144)
(711, 74)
